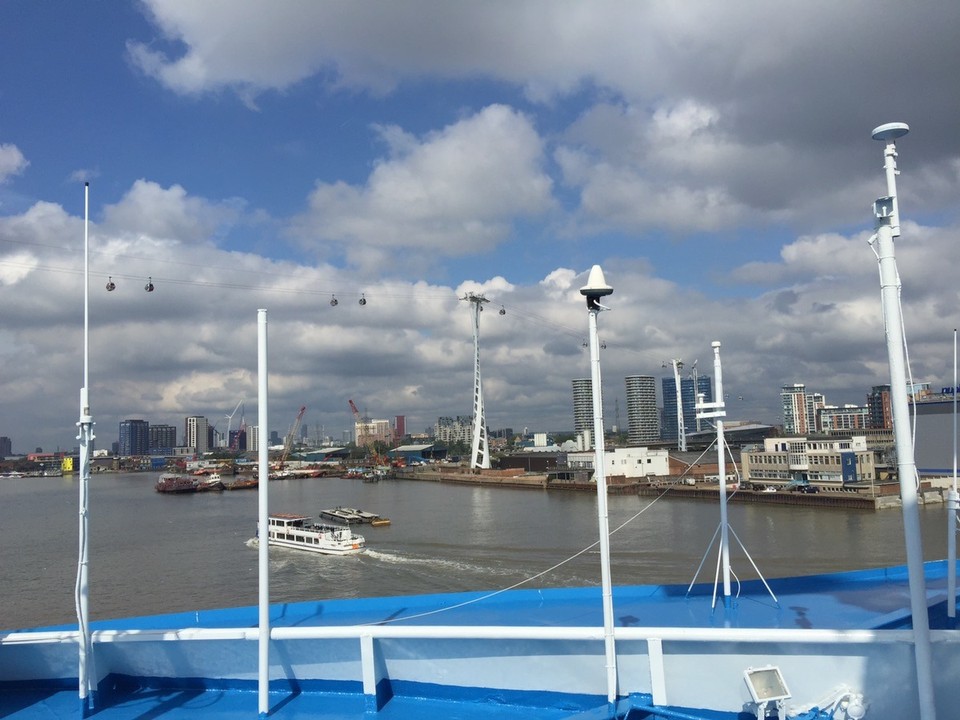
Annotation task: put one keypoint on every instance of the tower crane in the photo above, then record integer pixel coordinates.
(229, 419)
(288, 442)
(361, 427)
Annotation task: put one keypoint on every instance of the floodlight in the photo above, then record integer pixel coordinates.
(766, 684)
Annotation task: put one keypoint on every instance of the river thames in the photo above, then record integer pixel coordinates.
(153, 553)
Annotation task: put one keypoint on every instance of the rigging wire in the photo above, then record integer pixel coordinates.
(669, 486)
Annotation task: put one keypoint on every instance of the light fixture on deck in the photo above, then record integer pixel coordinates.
(149, 286)
(766, 685)
(111, 285)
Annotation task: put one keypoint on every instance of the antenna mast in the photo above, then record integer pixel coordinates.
(887, 218)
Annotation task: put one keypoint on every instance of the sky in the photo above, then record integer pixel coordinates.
(715, 159)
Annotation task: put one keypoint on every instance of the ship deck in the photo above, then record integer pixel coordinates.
(871, 599)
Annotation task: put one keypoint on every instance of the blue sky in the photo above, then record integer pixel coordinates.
(717, 162)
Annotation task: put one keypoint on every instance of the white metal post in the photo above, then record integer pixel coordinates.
(953, 503)
(888, 227)
(263, 515)
(722, 471)
(85, 672)
(595, 289)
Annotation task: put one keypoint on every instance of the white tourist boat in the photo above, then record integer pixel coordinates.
(301, 533)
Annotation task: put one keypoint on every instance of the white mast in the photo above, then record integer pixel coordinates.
(717, 410)
(953, 503)
(86, 674)
(595, 289)
(263, 520)
(480, 451)
(888, 227)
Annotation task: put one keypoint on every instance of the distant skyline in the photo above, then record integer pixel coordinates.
(668, 432)
(714, 159)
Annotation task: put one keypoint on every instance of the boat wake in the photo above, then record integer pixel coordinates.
(458, 566)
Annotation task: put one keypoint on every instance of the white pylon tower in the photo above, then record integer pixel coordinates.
(681, 431)
(480, 450)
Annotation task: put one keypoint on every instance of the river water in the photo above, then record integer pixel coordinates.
(153, 553)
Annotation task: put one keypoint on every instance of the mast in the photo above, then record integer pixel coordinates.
(595, 289)
(953, 503)
(85, 672)
(263, 517)
(887, 215)
(717, 410)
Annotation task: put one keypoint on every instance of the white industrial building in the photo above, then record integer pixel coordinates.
(629, 462)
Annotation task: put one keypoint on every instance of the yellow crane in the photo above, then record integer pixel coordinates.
(288, 441)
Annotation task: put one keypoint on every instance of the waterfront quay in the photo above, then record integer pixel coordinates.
(854, 499)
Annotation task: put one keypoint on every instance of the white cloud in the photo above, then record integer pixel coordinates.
(189, 347)
(15, 267)
(12, 161)
(167, 214)
(450, 193)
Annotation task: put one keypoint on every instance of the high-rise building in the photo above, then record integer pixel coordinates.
(253, 438)
(400, 427)
(800, 409)
(196, 433)
(643, 422)
(162, 438)
(793, 398)
(368, 431)
(688, 399)
(134, 438)
(842, 419)
(879, 409)
(582, 405)
(6, 447)
(453, 430)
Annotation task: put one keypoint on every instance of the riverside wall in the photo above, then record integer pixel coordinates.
(516, 478)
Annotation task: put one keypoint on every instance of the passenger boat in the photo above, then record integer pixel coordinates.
(301, 533)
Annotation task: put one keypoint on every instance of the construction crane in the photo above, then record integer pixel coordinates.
(288, 442)
(361, 425)
(235, 443)
(229, 419)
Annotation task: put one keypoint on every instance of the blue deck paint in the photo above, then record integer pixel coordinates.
(868, 599)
